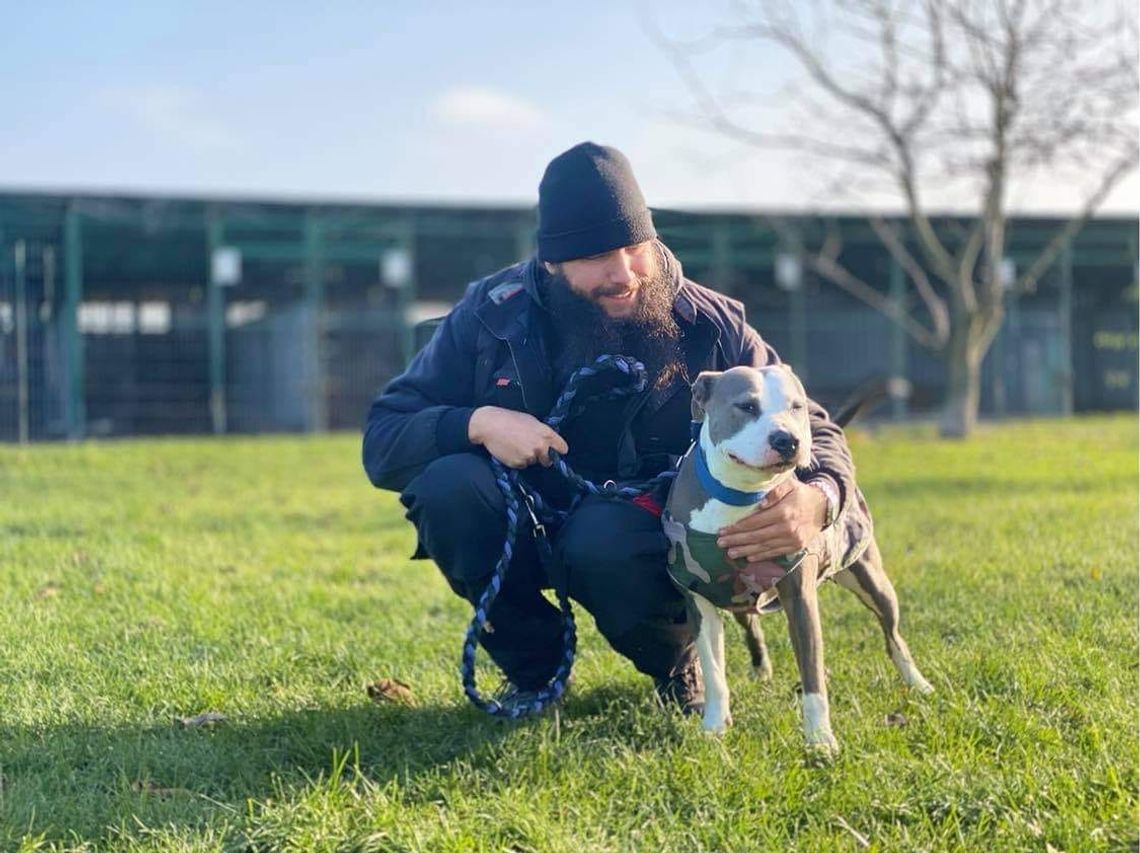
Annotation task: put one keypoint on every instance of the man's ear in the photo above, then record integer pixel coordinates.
(702, 390)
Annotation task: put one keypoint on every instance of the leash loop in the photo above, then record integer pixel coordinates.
(518, 496)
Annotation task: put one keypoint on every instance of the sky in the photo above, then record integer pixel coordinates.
(461, 102)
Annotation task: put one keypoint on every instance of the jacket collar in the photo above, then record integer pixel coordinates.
(508, 313)
(509, 295)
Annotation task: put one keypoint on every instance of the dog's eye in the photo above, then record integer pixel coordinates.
(797, 406)
(749, 406)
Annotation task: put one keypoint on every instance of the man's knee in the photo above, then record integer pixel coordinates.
(614, 558)
(600, 537)
(458, 489)
(460, 518)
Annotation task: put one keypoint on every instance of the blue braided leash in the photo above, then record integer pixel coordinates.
(519, 496)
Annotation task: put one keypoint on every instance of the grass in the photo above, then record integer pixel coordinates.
(264, 579)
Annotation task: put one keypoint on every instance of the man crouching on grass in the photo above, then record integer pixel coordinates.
(601, 283)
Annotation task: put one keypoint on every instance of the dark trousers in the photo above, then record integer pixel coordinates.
(610, 552)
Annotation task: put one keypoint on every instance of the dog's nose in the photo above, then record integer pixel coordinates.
(784, 443)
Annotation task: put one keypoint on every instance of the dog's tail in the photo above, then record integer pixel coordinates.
(870, 394)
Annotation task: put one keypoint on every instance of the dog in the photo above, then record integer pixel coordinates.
(753, 435)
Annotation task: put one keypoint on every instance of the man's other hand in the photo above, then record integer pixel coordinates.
(789, 517)
(516, 439)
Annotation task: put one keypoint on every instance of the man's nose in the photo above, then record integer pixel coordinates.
(621, 267)
(784, 443)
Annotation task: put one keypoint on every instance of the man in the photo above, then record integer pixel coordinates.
(601, 283)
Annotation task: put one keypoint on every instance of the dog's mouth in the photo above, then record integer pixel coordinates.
(777, 467)
(740, 461)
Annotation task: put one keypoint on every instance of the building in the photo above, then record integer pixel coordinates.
(135, 315)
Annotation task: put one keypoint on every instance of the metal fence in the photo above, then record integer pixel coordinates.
(147, 316)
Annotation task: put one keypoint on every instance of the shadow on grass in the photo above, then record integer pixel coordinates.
(75, 782)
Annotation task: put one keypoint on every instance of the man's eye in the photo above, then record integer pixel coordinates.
(749, 406)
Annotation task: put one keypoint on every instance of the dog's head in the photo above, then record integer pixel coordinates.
(755, 420)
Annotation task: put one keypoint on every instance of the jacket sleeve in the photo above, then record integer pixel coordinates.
(423, 413)
(831, 460)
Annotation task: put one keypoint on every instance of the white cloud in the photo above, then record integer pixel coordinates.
(481, 107)
(176, 116)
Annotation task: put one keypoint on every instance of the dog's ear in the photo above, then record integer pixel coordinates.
(702, 390)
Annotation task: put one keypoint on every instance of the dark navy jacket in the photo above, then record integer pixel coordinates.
(490, 350)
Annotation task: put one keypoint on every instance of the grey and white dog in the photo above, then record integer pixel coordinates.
(754, 433)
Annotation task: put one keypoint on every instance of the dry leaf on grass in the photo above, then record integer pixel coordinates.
(206, 719)
(48, 590)
(390, 690)
(896, 719)
(155, 790)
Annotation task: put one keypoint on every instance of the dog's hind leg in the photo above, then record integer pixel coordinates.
(757, 648)
(797, 591)
(867, 579)
(710, 648)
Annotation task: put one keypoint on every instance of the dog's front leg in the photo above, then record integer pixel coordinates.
(798, 596)
(710, 648)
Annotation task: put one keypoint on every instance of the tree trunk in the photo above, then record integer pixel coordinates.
(964, 354)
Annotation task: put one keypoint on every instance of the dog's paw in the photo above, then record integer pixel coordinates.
(716, 725)
(821, 745)
(763, 672)
(919, 684)
(821, 754)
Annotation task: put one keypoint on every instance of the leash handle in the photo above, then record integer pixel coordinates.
(509, 483)
(512, 487)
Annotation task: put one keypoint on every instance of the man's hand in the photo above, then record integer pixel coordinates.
(516, 439)
(789, 517)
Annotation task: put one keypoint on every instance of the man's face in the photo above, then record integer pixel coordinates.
(612, 280)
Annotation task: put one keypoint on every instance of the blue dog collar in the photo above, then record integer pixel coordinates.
(719, 490)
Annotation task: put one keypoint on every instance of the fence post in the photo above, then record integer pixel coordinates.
(21, 320)
(524, 240)
(407, 293)
(898, 338)
(721, 246)
(315, 300)
(75, 408)
(1065, 309)
(216, 319)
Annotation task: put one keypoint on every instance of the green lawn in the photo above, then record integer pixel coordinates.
(264, 579)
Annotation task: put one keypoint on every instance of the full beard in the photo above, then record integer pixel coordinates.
(583, 330)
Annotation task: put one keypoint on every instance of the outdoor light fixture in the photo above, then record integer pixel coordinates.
(396, 268)
(1008, 273)
(789, 271)
(225, 266)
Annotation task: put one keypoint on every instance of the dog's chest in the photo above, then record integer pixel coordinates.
(697, 564)
(713, 515)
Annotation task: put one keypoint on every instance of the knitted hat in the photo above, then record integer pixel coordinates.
(589, 203)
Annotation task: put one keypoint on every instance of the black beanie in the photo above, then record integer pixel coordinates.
(589, 203)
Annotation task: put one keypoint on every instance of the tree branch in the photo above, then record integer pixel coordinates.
(1044, 260)
(936, 306)
(825, 263)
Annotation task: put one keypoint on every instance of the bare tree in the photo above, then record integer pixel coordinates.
(922, 94)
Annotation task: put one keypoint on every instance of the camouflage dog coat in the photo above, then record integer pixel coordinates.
(697, 564)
